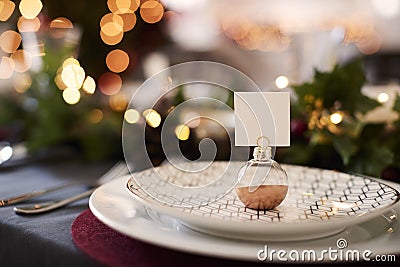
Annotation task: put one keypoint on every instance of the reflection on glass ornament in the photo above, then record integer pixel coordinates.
(262, 183)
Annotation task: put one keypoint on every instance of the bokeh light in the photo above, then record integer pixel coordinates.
(70, 61)
(61, 23)
(111, 24)
(112, 29)
(110, 17)
(118, 102)
(22, 60)
(6, 10)
(182, 132)
(59, 82)
(281, 82)
(28, 25)
(255, 36)
(123, 6)
(110, 83)
(371, 44)
(192, 119)
(383, 97)
(95, 116)
(132, 116)
(117, 60)
(154, 63)
(30, 8)
(6, 153)
(336, 118)
(22, 83)
(71, 95)
(151, 11)
(73, 76)
(121, 19)
(152, 117)
(129, 21)
(89, 85)
(7, 66)
(10, 41)
(357, 31)
(111, 40)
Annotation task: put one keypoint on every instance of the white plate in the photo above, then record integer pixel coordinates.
(319, 202)
(113, 205)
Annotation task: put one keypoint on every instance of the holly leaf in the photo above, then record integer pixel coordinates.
(346, 147)
(342, 85)
(372, 159)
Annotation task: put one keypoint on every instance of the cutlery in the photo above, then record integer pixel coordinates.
(24, 197)
(48, 206)
(116, 171)
(40, 192)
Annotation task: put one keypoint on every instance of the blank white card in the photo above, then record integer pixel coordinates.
(262, 114)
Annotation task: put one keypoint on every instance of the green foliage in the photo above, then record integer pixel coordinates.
(102, 140)
(341, 87)
(9, 110)
(48, 121)
(353, 144)
(345, 146)
(371, 159)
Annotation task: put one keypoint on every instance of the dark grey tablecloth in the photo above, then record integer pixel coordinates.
(45, 239)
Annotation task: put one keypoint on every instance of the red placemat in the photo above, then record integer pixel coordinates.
(112, 248)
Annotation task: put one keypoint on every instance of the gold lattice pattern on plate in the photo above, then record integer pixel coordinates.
(314, 194)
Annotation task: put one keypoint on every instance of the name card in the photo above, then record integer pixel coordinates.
(262, 114)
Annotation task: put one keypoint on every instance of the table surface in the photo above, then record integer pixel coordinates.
(44, 239)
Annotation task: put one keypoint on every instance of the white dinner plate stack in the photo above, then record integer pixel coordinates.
(323, 210)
